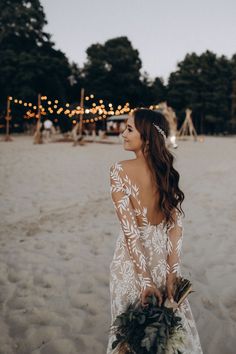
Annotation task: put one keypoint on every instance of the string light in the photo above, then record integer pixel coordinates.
(96, 109)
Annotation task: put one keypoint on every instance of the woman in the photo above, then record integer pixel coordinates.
(147, 200)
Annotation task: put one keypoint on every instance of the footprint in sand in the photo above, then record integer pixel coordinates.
(85, 302)
(86, 286)
(88, 344)
(61, 252)
(32, 230)
(38, 337)
(95, 251)
(60, 346)
(39, 246)
(4, 294)
(68, 257)
(14, 276)
(207, 303)
(229, 301)
(17, 322)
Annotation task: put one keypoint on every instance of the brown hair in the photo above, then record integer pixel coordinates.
(160, 160)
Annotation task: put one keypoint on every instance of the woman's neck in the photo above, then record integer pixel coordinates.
(140, 156)
(143, 161)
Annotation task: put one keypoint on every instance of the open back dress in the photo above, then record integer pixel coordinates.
(144, 254)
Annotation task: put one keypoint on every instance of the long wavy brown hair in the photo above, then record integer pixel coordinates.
(160, 160)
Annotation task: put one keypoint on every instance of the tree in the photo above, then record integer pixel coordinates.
(29, 64)
(159, 90)
(21, 24)
(112, 71)
(232, 122)
(76, 82)
(152, 91)
(202, 83)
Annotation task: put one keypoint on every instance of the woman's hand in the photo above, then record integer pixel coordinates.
(170, 291)
(152, 290)
(170, 302)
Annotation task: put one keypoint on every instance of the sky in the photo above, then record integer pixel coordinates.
(162, 31)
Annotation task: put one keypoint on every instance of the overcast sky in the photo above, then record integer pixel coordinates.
(162, 31)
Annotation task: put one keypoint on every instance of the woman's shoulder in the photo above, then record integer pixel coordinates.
(122, 166)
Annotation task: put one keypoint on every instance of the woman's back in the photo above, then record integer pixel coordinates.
(148, 196)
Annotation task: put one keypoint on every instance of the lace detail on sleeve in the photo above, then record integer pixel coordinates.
(174, 245)
(127, 218)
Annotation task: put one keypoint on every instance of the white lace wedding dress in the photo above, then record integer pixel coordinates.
(144, 253)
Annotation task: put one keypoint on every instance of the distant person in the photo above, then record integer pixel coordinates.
(48, 127)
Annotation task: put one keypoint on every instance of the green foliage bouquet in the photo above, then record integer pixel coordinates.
(152, 329)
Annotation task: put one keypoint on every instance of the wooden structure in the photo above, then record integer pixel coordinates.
(171, 118)
(78, 138)
(8, 118)
(170, 115)
(38, 137)
(188, 127)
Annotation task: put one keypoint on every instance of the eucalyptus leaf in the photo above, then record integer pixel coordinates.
(146, 344)
(142, 319)
(114, 344)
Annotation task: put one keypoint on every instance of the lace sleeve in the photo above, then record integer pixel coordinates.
(174, 247)
(127, 218)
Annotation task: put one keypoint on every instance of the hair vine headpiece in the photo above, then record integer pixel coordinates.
(159, 130)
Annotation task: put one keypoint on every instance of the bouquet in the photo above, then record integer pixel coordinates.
(152, 329)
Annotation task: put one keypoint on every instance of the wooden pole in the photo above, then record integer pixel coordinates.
(78, 138)
(8, 118)
(38, 135)
(81, 116)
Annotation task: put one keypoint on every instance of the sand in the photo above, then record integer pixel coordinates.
(58, 231)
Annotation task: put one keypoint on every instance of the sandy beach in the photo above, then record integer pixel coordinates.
(57, 236)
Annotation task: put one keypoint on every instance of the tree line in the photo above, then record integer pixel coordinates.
(30, 64)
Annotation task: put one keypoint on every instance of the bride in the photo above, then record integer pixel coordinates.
(147, 199)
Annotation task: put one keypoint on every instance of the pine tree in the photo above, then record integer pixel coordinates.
(29, 64)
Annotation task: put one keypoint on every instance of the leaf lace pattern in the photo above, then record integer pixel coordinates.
(144, 254)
